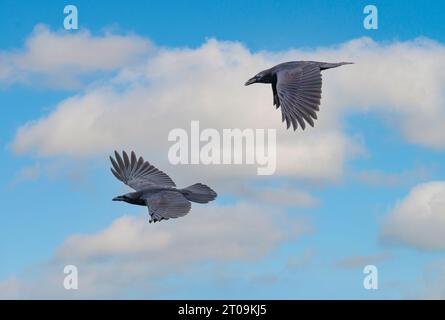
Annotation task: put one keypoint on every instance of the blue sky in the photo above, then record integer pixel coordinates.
(48, 196)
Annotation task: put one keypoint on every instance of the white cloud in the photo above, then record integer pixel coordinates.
(131, 251)
(205, 228)
(172, 88)
(137, 108)
(418, 220)
(61, 57)
(403, 81)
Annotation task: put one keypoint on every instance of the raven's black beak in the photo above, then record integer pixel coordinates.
(118, 198)
(250, 81)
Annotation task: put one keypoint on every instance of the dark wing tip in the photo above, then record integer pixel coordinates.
(126, 159)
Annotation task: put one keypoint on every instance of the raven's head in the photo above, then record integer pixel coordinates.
(129, 197)
(119, 198)
(262, 77)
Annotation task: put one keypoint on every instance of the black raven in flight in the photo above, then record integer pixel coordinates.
(296, 88)
(156, 189)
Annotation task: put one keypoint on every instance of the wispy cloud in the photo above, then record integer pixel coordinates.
(380, 178)
(27, 173)
(360, 261)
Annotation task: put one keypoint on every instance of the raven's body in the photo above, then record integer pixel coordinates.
(296, 88)
(155, 189)
(139, 197)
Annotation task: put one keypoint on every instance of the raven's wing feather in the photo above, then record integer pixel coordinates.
(299, 93)
(165, 205)
(137, 173)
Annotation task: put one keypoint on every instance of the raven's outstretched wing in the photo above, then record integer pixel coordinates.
(167, 204)
(299, 93)
(138, 174)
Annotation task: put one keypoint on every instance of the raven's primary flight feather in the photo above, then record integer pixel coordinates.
(138, 174)
(156, 189)
(296, 88)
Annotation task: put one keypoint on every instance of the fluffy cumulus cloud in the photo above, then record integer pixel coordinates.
(131, 251)
(402, 81)
(139, 106)
(418, 220)
(60, 58)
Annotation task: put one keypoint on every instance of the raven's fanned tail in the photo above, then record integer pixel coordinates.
(199, 193)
